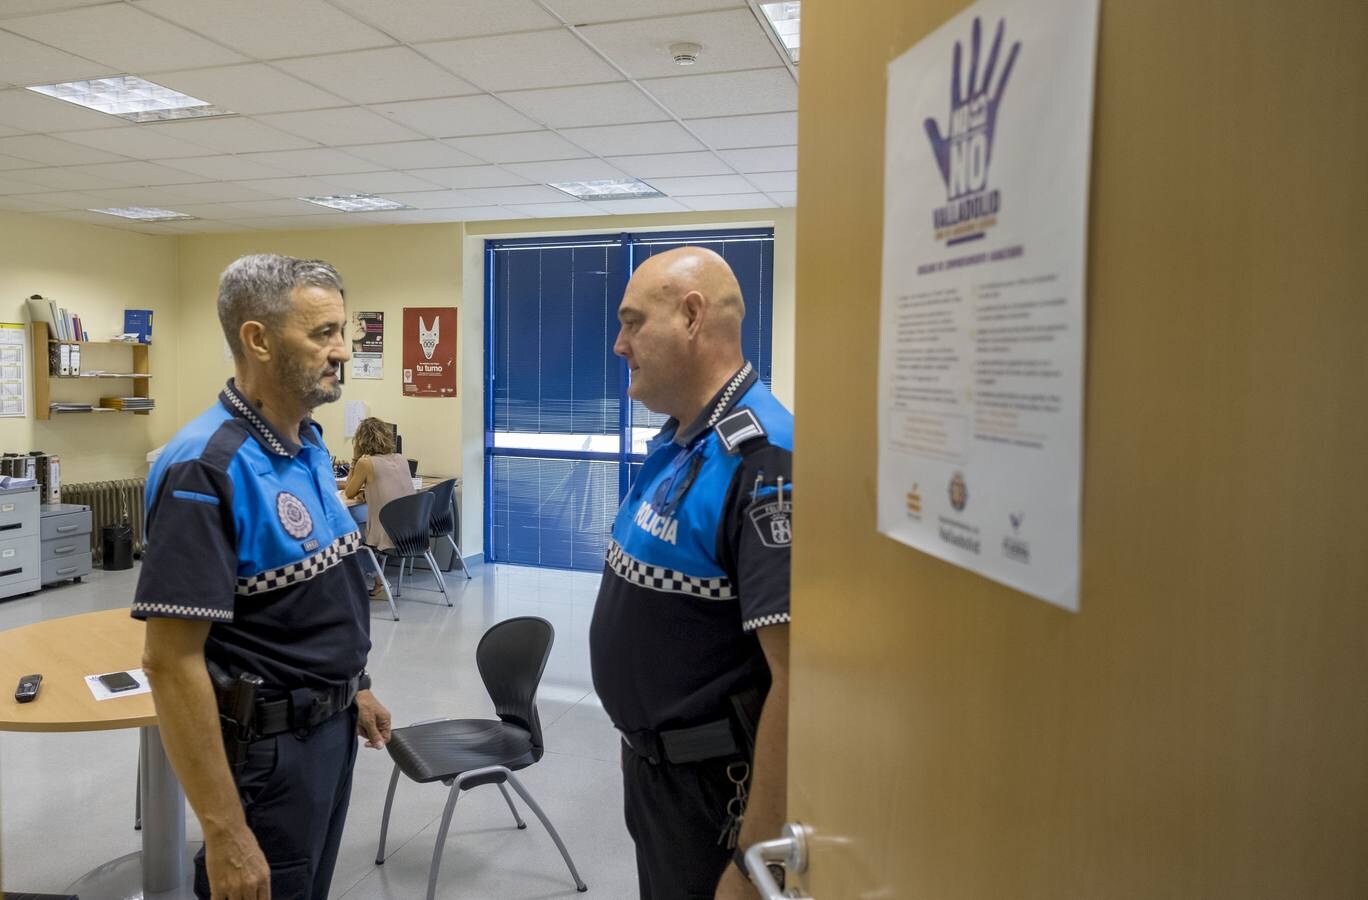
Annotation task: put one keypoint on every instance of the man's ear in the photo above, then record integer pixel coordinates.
(694, 310)
(255, 342)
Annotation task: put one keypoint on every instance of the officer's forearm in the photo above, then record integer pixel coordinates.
(769, 780)
(173, 658)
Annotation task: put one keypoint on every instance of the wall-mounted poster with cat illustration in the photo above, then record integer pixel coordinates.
(429, 351)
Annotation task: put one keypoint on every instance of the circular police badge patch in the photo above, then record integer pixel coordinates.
(294, 515)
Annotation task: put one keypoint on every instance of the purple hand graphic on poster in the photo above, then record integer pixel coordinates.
(964, 152)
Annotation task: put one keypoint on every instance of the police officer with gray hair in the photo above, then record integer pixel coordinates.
(258, 620)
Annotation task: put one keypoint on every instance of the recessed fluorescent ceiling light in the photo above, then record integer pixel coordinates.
(783, 18)
(610, 189)
(356, 203)
(143, 213)
(132, 98)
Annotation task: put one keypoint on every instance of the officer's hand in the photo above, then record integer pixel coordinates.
(372, 720)
(735, 886)
(236, 866)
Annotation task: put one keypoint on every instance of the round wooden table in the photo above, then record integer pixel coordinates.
(64, 651)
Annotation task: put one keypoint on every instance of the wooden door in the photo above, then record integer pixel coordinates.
(1200, 728)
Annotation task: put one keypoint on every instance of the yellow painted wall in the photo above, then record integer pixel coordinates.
(96, 272)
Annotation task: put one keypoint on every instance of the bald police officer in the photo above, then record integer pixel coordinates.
(689, 640)
(258, 622)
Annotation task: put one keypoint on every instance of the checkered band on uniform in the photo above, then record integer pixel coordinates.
(303, 570)
(659, 578)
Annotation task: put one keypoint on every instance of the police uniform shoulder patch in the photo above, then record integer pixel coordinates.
(294, 515)
(737, 428)
(773, 521)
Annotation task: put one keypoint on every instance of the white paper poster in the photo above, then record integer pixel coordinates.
(368, 366)
(354, 412)
(982, 322)
(12, 369)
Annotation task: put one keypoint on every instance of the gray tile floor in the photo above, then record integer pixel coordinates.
(66, 800)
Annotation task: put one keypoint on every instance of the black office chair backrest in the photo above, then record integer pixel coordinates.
(511, 657)
(406, 521)
(443, 521)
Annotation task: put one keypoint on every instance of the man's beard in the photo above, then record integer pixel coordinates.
(306, 383)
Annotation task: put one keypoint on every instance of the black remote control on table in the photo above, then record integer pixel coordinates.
(28, 688)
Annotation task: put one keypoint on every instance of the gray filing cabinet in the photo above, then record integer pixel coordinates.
(65, 532)
(19, 553)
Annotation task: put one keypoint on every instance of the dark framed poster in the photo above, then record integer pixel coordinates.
(430, 351)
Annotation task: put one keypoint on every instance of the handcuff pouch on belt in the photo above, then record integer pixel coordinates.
(732, 736)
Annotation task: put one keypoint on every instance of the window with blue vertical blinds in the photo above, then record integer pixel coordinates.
(562, 439)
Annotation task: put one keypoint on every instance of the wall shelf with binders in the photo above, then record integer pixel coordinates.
(139, 377)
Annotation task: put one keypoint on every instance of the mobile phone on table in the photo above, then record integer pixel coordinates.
(119, 681)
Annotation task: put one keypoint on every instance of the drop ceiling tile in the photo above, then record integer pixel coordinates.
(235, 134)
(434, 199)
(529, 146)
(212, 192)
(290, 187)
(513, 62)
(202, 226)
(93, 218)
(769, 182)
(14, 186)
(379, 76)
(53, 151)
(591, 169)
(727, 94)
(435, 20)
(557, 210)
(671, 165)
(346, 125)
(286, 223)
(731, 132)
(25, 62)
(128, 196)
(701, 185)
(413, 155)
(624, 140)
(124, 37)
(591, 104)
(65, 199)
(228, 168)
(320, 161)
(138, 172)
(784, 198)
(484, 214)
(29, 203)
(62, 178)
(465, 177)
(731, 39)
(532, 193)
(210, 210)
(289, 207)
(28, 111)
(762, 159)
(458, 116)
(249, 89)
(28, 7)
(269, 29)
(456, 214)
(14, 162)
(636, 207)
(136, 142)
(728, 201)
(378, 183)
(588, 11)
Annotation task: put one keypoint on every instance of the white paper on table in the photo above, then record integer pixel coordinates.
(103, 693)
(355, 412)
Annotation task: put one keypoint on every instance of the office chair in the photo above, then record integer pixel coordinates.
(466, 753)
(406, 519)
(380, 570)
(446, 518)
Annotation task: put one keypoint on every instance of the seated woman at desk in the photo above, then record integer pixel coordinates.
(382, 475)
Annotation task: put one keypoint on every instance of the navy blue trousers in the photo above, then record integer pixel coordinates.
(294, 792)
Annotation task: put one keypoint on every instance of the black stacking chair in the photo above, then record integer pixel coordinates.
(466, 753)
(406, 520)
(446, 518)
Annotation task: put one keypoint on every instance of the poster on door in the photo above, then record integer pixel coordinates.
(429, 352)
(989, 125)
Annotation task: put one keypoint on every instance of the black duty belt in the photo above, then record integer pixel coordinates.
(297, 710)
(711, 740)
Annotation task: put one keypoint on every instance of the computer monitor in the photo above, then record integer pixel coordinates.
(398, 441)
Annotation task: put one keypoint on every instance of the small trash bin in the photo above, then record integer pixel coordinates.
(116, 543)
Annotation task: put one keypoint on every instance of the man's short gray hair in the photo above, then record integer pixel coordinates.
(257, 288)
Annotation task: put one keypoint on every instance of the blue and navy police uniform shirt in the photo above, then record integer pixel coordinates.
(699, 560)
(245, 530)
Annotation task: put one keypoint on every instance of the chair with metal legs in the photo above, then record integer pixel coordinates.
(466, 753)
(380, 571)
(446, 518)
(406, 520)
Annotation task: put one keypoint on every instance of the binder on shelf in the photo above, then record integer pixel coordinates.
(65, 351)
(139, 322)
(54, 359)
(75, 359)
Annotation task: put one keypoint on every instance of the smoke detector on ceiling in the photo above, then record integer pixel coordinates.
(685, 53)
